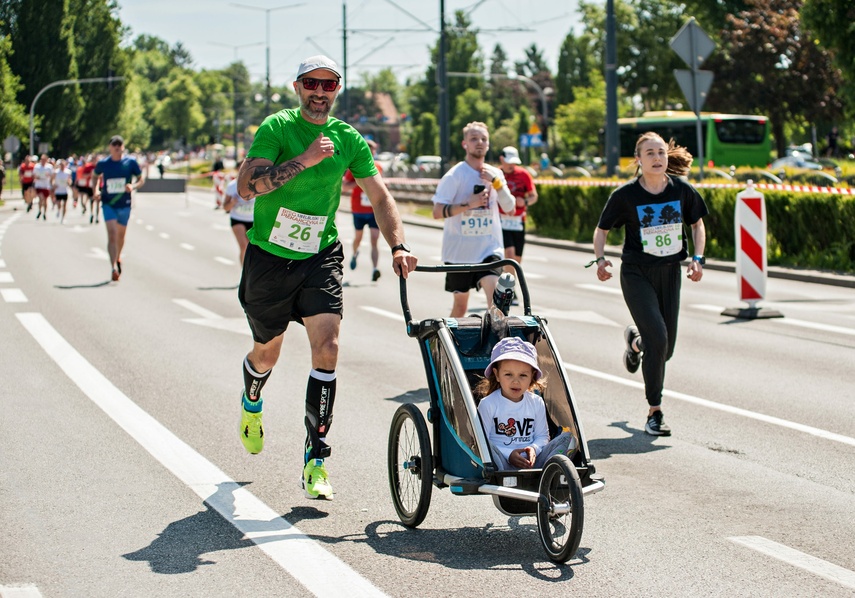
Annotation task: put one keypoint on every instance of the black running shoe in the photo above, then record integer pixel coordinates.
(376, 275)
(119, 266)
(631, 359)
(656, 425)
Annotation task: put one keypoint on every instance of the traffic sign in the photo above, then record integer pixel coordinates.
(695, 93)
(692, 44)
(531, 141)
(11, 144)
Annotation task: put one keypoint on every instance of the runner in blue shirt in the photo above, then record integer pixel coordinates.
(114, 185)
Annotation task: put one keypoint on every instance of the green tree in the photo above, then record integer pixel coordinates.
(505, 95)
(575, 65)
(215, 101)
(578, 123)
(135, 129)
(425, 138)
(463, 55)
(832, 22)
(97, 33)
(769, 64)
(470, 106)
(180, 112)
(13, 116)
(44, 52)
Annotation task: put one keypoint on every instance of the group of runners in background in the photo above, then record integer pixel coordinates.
(57, 179)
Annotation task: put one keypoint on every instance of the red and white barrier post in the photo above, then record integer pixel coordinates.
(751, 273)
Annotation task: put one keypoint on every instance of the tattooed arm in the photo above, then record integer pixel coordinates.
(258, 176)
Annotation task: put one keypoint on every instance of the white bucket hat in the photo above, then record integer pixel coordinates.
(517, 349)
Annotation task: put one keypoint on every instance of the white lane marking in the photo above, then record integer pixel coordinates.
(383, 312)
(22, 591)
(187, 246)
(225, 261)
(6, 277)
(300, 556)
(214, 320)
(164, 235)
(588, 317)
(149, 227)
(791, 556)
(719, 406)
(139, 221)
(198, 309)
(534, 276)
(221, 227)
(2, 263)
(98, 254)
(788, 321)
(601, 288)
(13, 295)
(536, 258)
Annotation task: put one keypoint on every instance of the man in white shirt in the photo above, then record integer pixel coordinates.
(468, 199)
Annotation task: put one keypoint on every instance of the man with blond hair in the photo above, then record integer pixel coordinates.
(468, 198)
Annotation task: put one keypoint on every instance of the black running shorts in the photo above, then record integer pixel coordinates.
(275, 291)
(462, 282)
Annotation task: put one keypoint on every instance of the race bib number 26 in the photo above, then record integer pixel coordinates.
(298, 232)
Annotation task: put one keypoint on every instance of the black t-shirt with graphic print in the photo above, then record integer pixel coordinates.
(656, 225)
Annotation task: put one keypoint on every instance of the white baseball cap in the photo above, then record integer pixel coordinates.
(511, 155)
(317, 62)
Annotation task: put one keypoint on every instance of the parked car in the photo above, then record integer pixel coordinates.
(427, 165)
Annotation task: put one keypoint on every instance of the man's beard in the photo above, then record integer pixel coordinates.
(323, 113)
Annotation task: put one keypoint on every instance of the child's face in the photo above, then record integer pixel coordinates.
(515, 377)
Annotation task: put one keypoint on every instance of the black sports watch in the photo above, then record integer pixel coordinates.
(402, 247)
(700, 259)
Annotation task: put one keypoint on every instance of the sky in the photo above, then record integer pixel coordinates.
(217, 31)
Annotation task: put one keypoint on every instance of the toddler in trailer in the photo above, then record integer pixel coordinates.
(514, 417)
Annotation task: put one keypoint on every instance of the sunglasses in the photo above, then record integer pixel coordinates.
(311, 84)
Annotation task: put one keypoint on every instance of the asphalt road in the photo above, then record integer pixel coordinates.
(122, 473)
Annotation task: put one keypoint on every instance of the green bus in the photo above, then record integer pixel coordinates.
(728, 139)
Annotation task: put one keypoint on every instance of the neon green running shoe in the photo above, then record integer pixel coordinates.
(315, 481)
(251, 431)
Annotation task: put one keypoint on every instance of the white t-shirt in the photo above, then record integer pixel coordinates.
(61, 181)
(42, 176)
(243, 210)
(474, 235)
(511, 426)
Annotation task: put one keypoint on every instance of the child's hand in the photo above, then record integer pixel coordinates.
(522, 458)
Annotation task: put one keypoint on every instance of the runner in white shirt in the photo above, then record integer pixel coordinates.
(241, 213)
(468, 199)
(43, 173)
(61, 184)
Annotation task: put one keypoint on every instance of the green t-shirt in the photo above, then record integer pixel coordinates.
(301, 204)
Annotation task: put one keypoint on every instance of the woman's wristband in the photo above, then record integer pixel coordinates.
(497, 183)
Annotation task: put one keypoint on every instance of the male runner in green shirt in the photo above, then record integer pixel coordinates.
(293, 266)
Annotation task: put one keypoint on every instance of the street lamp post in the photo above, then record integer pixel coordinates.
(57, 84)
(267, 50)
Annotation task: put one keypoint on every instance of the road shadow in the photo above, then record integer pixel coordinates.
(515, 546)
(180, 547)
(421, 395)
(635, 443)
(82, 286)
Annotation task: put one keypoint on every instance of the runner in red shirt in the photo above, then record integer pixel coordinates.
(27, 178)
(521, 186)
(363, 215)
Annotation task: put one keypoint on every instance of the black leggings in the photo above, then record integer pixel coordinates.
(652, 294)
